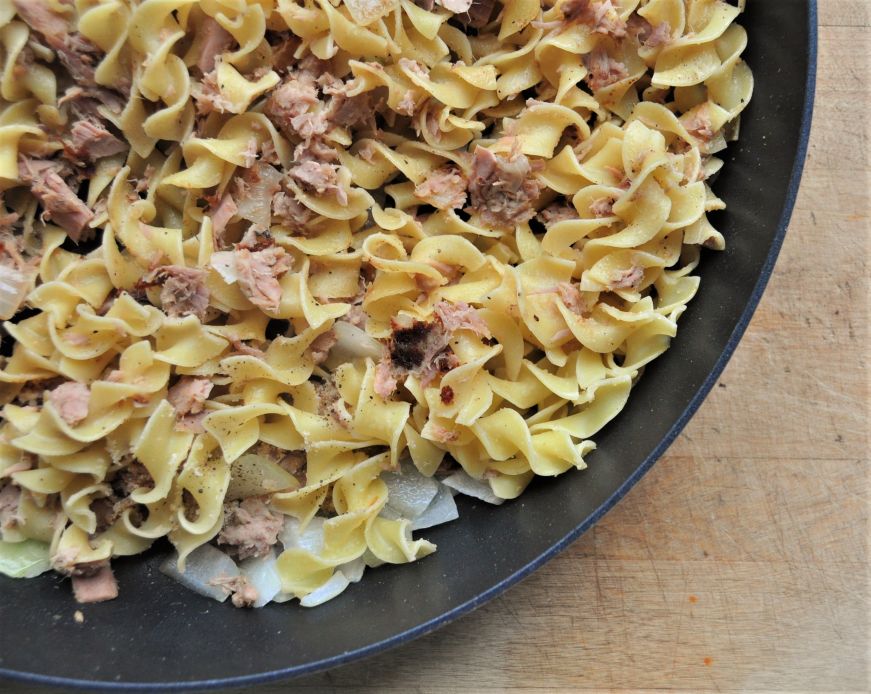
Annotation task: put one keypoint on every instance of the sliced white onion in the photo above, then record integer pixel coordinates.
(203, 566)
(352, 343)
(256, 204)
(262, 573)
(333, 587)
(389, 513)
(310, 539)
(442, 509)
(479, 489)
(14, 287)
(353, 570)
(409, 493)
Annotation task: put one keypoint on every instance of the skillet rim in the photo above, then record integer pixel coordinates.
(497, 589)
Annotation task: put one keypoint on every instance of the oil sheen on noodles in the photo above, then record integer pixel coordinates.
(281, 277)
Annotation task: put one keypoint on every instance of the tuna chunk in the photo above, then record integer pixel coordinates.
(479, 13)
(100, 587)
(250, 528)
(442, 435)
(130, 478)
(221, 216)
(183, 291)
(216, 40)
(283, 51)
(629, 278)
(292, 213)
(320, 178)
(244, 594)
(71, 400)
(84, 103)
(109, 509)
(330, 402)
(443, 188)
(356, 316)
(208, 97)
(573, 299)
(321, 346)
(189, 394)
(290, 104)
(78, 55)
(407, 106)
(602, 207)
(461, 316)
(386, 381)
(42, 19)
(256, 265)
(422, 349)
(603, 70)
(10, 496)
(60, 204)
(502, 189)
(660, 36)
(349, 111)
(556, 212)
(414, 347)
(7, 222)
(90, 141)
(699, 124)
(599, 15)
(647, 34)
(258, 275)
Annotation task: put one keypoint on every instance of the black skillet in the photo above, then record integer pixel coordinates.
(159, 635)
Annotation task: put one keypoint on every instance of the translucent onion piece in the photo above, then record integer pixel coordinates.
(263, 576)
(14, 287)
(352, 343)
(409, 493)
(256, 204)
(442, 509)
(203, 566)
(353, 570)
(333, 587)
(479, 489)
(310, 539)
(370, 559)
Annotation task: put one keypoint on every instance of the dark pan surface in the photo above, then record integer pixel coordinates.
(157, 634)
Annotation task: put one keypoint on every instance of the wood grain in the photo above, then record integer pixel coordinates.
(741, 561)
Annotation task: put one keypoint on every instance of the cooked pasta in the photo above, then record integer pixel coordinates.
(280, 277)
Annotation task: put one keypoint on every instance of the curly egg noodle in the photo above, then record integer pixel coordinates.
(257, 253)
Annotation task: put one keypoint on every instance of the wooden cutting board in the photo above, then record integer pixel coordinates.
(740, 562)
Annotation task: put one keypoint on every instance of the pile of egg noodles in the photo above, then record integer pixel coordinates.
(574, 303)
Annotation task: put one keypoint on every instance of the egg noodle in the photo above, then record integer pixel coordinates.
(257, 253)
